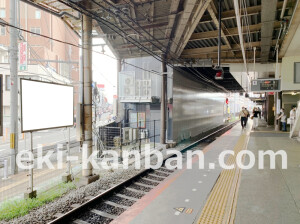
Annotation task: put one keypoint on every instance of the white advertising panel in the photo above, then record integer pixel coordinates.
(45, 105)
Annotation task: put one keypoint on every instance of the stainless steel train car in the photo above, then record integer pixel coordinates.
(196, 107)
(193, 105)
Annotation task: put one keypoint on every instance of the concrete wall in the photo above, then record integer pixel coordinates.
(195, 107)
(41, 49)
(287, 73)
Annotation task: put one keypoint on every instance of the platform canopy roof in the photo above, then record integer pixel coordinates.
(185, 30)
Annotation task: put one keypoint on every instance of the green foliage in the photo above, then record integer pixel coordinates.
(19, 207)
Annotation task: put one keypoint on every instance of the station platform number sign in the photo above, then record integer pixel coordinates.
(265, 85)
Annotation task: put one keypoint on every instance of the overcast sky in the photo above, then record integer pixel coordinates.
(105, 69)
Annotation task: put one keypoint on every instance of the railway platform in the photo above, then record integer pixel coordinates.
(215, 195)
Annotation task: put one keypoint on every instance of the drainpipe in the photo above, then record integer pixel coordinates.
(163, 104)
(283, 8)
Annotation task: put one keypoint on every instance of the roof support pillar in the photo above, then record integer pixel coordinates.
(87, 168)
(163, 104)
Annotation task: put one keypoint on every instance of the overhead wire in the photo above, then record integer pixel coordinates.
(171, 40)
(198, 73)
(246, 19)
(37, 74)
(132, 41)
(78, 46)
(107, 23)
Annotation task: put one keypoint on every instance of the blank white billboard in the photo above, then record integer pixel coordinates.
(45, 105)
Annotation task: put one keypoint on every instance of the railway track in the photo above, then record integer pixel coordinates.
(111, 203)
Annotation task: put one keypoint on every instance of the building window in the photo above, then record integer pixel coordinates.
(2, 13)
(37, 14)
(297, 72)
(2, 30)
(7, 83)
(36, 30)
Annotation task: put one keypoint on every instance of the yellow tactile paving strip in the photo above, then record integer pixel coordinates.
(221, 202)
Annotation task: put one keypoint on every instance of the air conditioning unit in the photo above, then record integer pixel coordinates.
(129, 81)
(135, 134)
(137, 91)
(138, 88)
(127, 135)
(147, 83)
(146, 92)
(129, 91)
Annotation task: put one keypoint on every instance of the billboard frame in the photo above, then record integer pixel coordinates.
(41, 129)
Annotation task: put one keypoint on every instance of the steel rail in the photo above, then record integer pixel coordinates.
(75, 211)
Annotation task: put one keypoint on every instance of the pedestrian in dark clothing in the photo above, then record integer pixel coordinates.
(243, 116)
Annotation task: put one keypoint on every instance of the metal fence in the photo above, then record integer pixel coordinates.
(118, 137)
(130, 136)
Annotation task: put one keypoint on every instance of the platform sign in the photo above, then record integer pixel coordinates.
(265, 85)
(45, 105)
(23, 56)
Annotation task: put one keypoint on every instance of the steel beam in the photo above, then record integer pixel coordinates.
(268, 15)
(294, 25)
(235, 47)
(229, 32)
(187, 22)
(230, 14)
(219, 25)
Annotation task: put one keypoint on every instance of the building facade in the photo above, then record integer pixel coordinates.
(48, 59)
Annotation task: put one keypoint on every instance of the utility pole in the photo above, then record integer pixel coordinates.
(13, 57)
(163, 104)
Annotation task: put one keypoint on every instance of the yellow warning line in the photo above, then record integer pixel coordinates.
(220, 203)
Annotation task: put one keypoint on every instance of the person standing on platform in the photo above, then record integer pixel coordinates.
(282, 118)
(247, 116)
(292, 117)
(255, 117)
(259, 112)
(243, 116)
